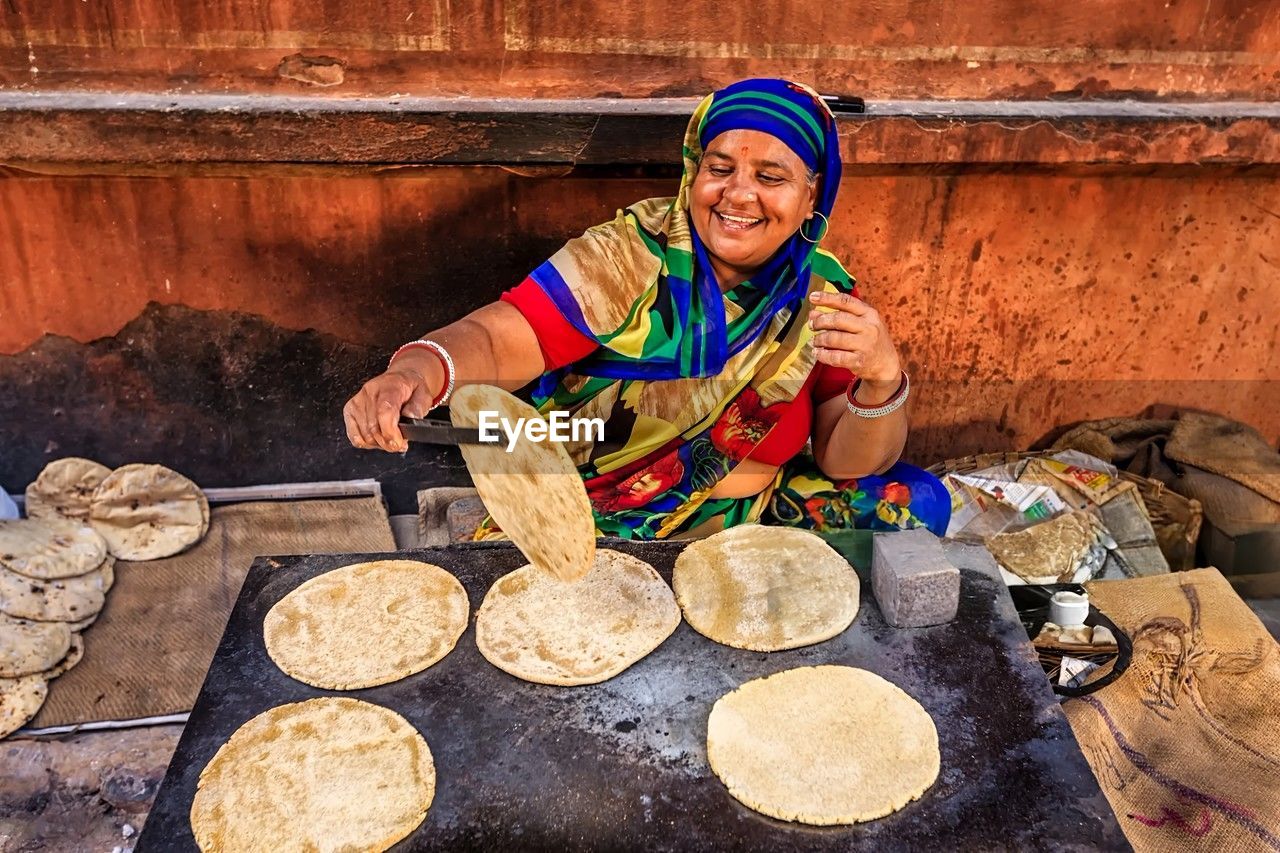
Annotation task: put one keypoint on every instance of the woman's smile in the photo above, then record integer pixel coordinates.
(750, 195)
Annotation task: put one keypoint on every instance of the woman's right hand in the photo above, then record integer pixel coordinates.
(408, 388)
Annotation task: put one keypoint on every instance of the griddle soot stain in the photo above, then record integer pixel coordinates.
(626, 725)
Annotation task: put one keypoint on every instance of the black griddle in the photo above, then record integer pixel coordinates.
(622, 765)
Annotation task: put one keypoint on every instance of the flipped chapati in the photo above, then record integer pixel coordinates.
(534, 493)
(548, 631)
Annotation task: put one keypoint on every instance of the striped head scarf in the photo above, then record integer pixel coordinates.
(651, 261)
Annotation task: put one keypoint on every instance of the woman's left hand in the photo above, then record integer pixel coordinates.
(852, 335)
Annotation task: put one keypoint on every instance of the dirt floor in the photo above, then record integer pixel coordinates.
(81, 792)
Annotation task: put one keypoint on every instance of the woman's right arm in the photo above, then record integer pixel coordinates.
(494, 345)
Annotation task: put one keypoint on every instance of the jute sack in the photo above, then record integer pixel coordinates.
(1186, 744)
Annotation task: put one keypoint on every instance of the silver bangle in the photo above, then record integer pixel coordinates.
(888, 407)
(444, 356)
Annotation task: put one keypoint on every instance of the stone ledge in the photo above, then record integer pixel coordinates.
(42, 131)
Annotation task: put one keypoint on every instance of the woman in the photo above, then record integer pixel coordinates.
(714, 337)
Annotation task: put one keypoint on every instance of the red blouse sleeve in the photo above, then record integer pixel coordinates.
(830, 382)
(559, 341)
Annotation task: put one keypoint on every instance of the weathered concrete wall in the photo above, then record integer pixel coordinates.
(1022, 302)
(176, 287)
(645, 48)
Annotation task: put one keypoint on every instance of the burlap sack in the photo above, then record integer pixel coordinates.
(1186, 744)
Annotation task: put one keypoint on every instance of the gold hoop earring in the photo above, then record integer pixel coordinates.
(826, 226)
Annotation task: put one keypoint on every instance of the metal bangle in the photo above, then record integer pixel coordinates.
(887, 407)
(445, 359)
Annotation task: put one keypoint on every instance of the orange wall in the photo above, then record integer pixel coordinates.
(1021, 302)
(1001, 49)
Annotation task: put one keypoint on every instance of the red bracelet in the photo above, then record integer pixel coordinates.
(445, 361)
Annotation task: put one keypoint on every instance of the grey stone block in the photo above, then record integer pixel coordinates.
(913, 582)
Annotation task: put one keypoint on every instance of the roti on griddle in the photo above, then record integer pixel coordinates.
(70, 600)
(534, 493)
(20, 699)
(146, 512)
(28, 647)
(822, 745)
(765, 588)
(64, 488)
(45, 548)
(325, 774)
(1048, 551)
(367, 624)
(548, 631)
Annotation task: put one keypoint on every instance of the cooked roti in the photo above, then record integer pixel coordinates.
(765, 588)
(534, 493)
(146, 512)
(64, 488)
(1048, 551)
(822, 745)
(70, 600)
(325, 774)
(68, 662)
(20, 699)
(47, 548)
(367, 624)
(28, 647)
(542, 629)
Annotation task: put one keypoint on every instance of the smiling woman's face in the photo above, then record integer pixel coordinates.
(750, 194)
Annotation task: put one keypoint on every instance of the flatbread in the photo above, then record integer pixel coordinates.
(20, 699)
(1048, 551)
(550, 631)
(64, 487)
(29, 647)
(325, 774)
(68, 662)
(534, 493)
(765, 588)
(79, 626)
(49, 547)
(62, 600)
(822, 745)
(367, 624)
(146, 512)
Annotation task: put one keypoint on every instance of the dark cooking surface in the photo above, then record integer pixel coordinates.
(623, 764)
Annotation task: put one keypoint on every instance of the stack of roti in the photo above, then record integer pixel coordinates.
(54, 578)
(143, 512)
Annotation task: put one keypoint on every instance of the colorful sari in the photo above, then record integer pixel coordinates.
(689, 379)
